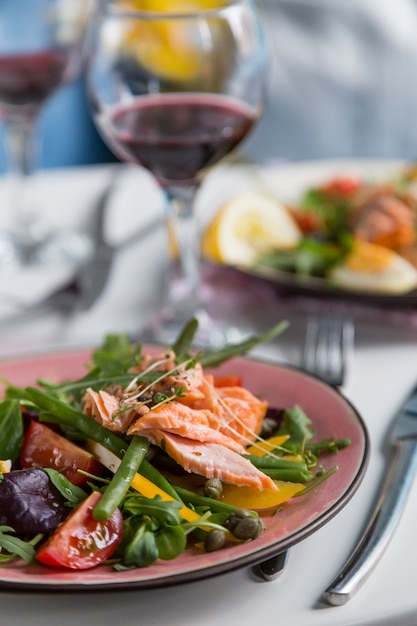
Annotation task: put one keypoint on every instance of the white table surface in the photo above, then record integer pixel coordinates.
(382, 371)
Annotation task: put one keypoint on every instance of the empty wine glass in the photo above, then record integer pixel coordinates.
(41, 48)
(175, 86)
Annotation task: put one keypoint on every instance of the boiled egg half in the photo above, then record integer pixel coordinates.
(374, 269)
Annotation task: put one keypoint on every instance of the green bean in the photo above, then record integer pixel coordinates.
(66, 414)
(317, 481)
(69, 416)
(95, 383)
(270, 462)
(327, 445)
(292, 476)
(281, 469)
(194, 499)
(151, 473)
(119, 484)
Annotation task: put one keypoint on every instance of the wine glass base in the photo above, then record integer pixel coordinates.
(57, 249)
(165, 327)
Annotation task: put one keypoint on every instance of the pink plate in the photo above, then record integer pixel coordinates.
(332, 416)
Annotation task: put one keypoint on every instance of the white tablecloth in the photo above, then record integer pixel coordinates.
(382, 371)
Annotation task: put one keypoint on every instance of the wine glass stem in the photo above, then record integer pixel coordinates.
(183, 280)
(22, 159)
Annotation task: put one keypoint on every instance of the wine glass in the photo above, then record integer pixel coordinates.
(176, 89)
(41, 49)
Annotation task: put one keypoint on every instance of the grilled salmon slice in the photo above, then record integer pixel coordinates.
(197, 424)
(104, 407)
(211, 460)
(241, 412)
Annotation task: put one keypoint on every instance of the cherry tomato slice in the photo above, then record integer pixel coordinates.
(81, 542)
(43, 447)
(342, 186)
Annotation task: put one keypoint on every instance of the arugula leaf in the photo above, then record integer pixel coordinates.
(12, 392)
(164, 512)
(183, 344)
(312, 257)
(116, 355)
(297, 425)
(333, 212)
(72, 493)
(16, 547)
(11, 429)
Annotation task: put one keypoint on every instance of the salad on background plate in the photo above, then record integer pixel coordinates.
(349, 233)
(135, 467)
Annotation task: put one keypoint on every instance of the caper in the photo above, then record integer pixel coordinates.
(215, 540)
(235, 517)
(248, 528)
(213, 488)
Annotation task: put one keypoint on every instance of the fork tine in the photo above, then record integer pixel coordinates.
(310, 344)
(328, 343)
(347, 338)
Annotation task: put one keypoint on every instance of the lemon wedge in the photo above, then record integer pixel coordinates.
(172, 49)
(171, 6)
(246, 226)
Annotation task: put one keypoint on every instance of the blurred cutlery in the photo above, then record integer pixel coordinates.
(327, 345)
(271, 568)
(387, 513)
(90, 278)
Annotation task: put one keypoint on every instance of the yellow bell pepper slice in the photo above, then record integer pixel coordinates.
(5, 466)
(262, 447)
(144, 486)
(251, 498)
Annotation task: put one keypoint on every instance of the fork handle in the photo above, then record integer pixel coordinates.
(380, 528)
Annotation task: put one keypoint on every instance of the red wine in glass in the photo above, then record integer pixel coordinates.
(178, 124)
(28, 79)
(41, 50)
(176, 136)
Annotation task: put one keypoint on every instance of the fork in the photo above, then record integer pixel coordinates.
(328, 344)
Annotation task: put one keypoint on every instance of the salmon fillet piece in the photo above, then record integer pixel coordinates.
(386, 221)
(103, 406)
(241, 412)
(189, 379)
(197, 424)
(210, 460)
(204, 397)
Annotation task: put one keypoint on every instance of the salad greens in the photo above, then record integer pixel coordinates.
(163, 514)
(323, 245)
(335, 215)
